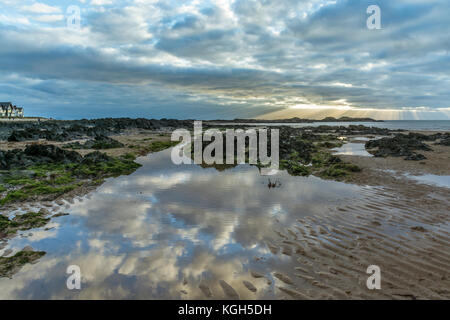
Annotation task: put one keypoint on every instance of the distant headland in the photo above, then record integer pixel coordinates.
(300, 120)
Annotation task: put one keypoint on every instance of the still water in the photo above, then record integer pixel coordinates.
(170, 231)
(352, 149)
(432, 179)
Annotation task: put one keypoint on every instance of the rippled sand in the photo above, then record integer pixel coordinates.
(409, 239)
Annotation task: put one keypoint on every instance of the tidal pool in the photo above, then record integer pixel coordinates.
(352, 149)
(169, 231)
(432, 179)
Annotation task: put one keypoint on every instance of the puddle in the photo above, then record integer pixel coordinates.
(432, 179)
(364, 138)
(352, 149)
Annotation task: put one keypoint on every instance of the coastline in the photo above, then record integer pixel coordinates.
(401, 226)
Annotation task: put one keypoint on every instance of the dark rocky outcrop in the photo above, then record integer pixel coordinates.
(415, 157)
(445, 140)
(297, 145)
(46, 154)
(36, 154)
(99, 142)
(352, 130)
(79, 129)
(35, 134)
(400, 145)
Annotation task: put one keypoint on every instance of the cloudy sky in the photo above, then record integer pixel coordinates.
(226, 58)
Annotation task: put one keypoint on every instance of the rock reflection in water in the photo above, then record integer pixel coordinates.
(176, 232)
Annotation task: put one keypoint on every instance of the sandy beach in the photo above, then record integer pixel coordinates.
(403, 227)
(398, 223)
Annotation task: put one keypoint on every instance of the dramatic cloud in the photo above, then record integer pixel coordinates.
(226, 58)
(40, 8)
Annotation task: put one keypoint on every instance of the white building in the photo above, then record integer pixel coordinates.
(7, 109)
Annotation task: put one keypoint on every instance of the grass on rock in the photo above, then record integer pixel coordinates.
(10, 265)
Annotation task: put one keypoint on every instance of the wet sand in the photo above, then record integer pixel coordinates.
(406, 234)
(404, 228)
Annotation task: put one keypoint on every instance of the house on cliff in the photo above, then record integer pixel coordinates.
(8, 110)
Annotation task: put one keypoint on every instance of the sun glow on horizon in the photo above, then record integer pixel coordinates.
(319, 107)
(318, 112)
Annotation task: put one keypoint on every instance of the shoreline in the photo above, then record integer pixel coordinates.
(329, 252)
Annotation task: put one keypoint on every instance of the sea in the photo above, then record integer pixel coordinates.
(418, 125)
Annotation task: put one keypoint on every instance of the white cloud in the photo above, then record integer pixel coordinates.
(14, 20)
(247, 55)
(101, 2)
(49, 18)
(39, 7)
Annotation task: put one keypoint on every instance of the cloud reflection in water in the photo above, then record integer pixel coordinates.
(165, 229)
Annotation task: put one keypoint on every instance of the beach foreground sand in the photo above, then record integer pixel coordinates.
(402, 225)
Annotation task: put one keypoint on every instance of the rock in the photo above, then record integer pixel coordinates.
(53, 153)
(36, 154)
(35, 134)
(99, 142)
(79, 129)
(95, 157)
(400, 145)
(415, 157)
(445, 142)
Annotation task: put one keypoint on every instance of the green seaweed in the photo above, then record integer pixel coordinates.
(16, 195)
(22, 222)
(10, 265)
(294, 168)
(322, 159)
(57, 179)
(112, 168)
(339, 170)
(161, 145)
(129, 156)
(329, 144)
(16, 180)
